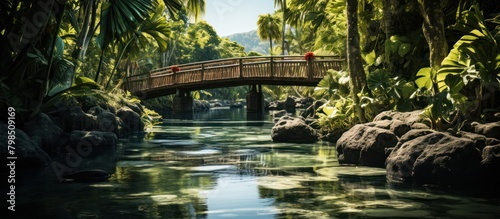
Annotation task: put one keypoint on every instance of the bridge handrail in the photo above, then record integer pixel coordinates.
(274, 58)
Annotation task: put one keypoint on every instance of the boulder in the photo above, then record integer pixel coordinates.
(492, 115)
(76, 119)
(96, 110)
(310, 112)
(131, 121)
(426, 156)
(277, 105)
(105, 119)
(107, 122)
(279, 114)
(365, 145)
(479, 140)
(398, 127)
(490, 130)
(304, 102)
(295, 130)
(28, 154)
(290, 104)
(44, 133)
(136, 107)
(94, 139)
(491, 163)
(409, 118)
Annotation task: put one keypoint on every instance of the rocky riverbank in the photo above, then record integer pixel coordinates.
(80, 126)
(407, 148)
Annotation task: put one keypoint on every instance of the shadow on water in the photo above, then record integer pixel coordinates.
(221, 165)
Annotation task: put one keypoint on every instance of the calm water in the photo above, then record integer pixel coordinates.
(219, 165)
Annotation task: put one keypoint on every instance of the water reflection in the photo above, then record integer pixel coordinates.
(218, 168)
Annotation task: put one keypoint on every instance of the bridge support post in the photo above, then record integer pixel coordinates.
(183, 105)
(255, 99)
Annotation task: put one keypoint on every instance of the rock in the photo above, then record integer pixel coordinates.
(365, 145)
(383, 124)
(479, 140)
(290, 104)
(96, 110)
(107, 122)
(310, 112)
(295, 130)
(434, 157)
(419, 125)
(492, 115)
(136, 107)
(279, 114)
(399, 128)
(491, 163)
(412, 134)
(200, 105)
(313, 123)
(27, 152)
(490, 130)
(331, 137)
(131, 121)
(277, 105)
(409, 118)
(492, 141)
(76, 119)
(44, 133)
(105, 119)
(93, 139)
(304, 102)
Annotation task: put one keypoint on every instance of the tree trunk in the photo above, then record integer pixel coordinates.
(433, 28)
(356, 72)
(283, 29)
(270, 46)
(99, 67)
(84, 32)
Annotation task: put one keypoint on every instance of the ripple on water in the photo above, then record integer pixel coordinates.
(204, 152)
(351, 171)
(208, 168)
(180, 143)
(133, 163)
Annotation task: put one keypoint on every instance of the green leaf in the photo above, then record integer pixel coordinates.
(404, 49)
(424, 78)
(59, 47)
(455, 83)
(84, 80)
(378, 80)
(370, 58)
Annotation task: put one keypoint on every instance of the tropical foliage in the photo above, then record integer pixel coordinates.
(47, 46)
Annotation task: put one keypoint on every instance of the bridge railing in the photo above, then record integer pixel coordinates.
(269, 67)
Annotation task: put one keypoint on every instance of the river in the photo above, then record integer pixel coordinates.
(220, 165)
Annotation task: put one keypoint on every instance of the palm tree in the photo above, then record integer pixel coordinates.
(268, 28)
(155, 26)
(282, 5)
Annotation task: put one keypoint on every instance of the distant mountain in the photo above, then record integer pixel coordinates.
(251, 42)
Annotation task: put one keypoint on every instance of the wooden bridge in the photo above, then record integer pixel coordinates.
(273, 70)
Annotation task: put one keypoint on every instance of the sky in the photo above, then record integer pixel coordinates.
(235, 16)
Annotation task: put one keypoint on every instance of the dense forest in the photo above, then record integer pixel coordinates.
(251, 42)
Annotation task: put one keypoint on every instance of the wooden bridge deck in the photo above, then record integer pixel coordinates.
(274, 70)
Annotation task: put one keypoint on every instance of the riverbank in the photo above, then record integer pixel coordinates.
(73, 128)
(403, 144)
